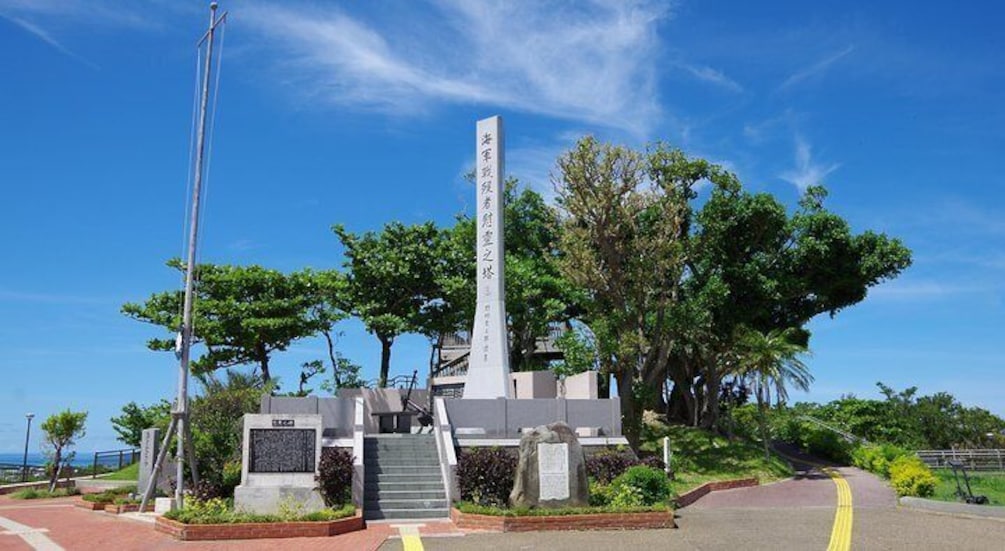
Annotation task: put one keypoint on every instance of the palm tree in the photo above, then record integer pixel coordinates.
(769, 361)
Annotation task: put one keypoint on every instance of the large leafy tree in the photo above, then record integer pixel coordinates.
(136, 418)
(241, 315)
(392, 281)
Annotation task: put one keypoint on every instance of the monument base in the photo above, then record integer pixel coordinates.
(267, 500)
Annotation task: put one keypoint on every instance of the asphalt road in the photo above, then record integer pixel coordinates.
(795, 514)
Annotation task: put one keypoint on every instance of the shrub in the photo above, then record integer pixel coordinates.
(877, 459)
(335, 476)
(652, 485)
(605, 466)
(600, 494)
(827, 444)
(485, 476)
(32, 493)
(909, 476)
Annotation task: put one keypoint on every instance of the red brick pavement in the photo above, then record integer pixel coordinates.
(75, 529)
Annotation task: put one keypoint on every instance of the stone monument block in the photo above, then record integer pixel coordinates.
(150, 444)
(280, 458)
(552, 469)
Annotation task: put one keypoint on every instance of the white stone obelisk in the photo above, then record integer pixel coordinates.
(488, 365)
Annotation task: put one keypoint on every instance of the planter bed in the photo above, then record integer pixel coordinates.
(118, 509)
(91, 505)
(687, 498)
(592, 521)
(259, 530)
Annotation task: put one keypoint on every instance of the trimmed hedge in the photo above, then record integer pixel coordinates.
(334, 476)
(485, 476)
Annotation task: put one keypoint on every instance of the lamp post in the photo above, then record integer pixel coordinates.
(27, 435)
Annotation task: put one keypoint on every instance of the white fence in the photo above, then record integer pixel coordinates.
(974, 460)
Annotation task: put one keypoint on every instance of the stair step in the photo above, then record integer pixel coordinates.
(380, 495)
(410, 486)
(403, 469)
(385, 504)
(378, 514)
(379, 477)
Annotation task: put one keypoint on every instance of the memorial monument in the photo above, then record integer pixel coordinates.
(488, 368)
(279, 461)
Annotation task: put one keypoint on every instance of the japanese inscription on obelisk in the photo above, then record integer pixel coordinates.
(488, 365)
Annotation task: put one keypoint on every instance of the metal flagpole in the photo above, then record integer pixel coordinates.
(179, 414)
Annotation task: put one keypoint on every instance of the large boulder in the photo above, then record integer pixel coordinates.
(552, 469)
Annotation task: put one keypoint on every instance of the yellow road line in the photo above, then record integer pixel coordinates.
(841, 533)
(410, 539)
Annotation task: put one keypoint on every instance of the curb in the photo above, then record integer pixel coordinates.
(951, 508)
(691, 496)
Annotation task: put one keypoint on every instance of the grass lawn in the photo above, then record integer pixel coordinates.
(988, 484)
(701, 456)
(131, 472)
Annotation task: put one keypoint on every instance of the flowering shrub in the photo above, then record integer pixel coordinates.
(909, 476)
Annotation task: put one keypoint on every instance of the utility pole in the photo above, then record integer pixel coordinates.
(27, 436)
(179, 414)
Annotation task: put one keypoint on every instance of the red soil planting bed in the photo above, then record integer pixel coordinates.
(598, 521)
(248, 531)
(688, 498)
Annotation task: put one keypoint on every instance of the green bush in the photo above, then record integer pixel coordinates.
(220, 511)
(32, 493)
(467, 507)
(909, 476)
(651, 486)
(824, 443)
(877, 458)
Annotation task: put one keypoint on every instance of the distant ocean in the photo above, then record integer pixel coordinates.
(34, 458)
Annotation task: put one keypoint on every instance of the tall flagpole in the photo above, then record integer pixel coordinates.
(179, 414)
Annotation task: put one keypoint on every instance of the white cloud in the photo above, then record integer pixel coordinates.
(590, 62)
(919, 290)
(707, 74)
(816, 69)
(806, 172)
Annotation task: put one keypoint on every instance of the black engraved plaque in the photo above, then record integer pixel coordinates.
(281, 451)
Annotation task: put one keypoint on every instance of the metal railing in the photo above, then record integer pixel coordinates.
(843, 433)
(974, 460)
(114, 459)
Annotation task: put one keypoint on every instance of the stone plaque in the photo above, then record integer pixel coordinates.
(553, 470)
(281, 451)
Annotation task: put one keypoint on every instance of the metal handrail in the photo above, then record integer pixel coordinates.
(845, 434)
(132, 453)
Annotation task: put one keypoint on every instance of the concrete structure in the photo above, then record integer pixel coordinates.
(488, 369)
(280, 459)
(534, 384)
(582, 386)
(150, 441)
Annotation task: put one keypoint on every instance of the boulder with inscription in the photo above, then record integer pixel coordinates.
(552, 469)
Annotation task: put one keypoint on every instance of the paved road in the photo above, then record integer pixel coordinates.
(796, 514)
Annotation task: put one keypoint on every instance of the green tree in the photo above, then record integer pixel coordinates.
(537, 294)
(625, 217)
(241, 315)
(769, 362)
(60, 432)
(135, 419)
(392, 281)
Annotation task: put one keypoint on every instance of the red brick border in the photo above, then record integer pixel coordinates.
(91, 505)
(247, 531)
(597, 521)
(119, 508)
(687, 498)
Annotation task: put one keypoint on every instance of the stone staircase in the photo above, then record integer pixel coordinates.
(403, 479)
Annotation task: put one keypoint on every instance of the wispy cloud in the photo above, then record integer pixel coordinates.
(815, 70)
(590, 62)
(713, 76)
(807, 172)
(919, 290)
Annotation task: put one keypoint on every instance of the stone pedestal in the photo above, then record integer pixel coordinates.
(149, 446)
(281, 454)
(552, 469)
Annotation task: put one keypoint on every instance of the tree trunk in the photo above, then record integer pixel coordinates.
(631, 415)
(385, 360)
(713, 387)
(763, 421)
(57, 459)
(604, 386)
(263, 362)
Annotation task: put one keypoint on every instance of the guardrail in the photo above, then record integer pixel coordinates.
(114, 459)
(974, 460)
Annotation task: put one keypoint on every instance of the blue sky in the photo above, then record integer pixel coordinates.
(363, 112)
